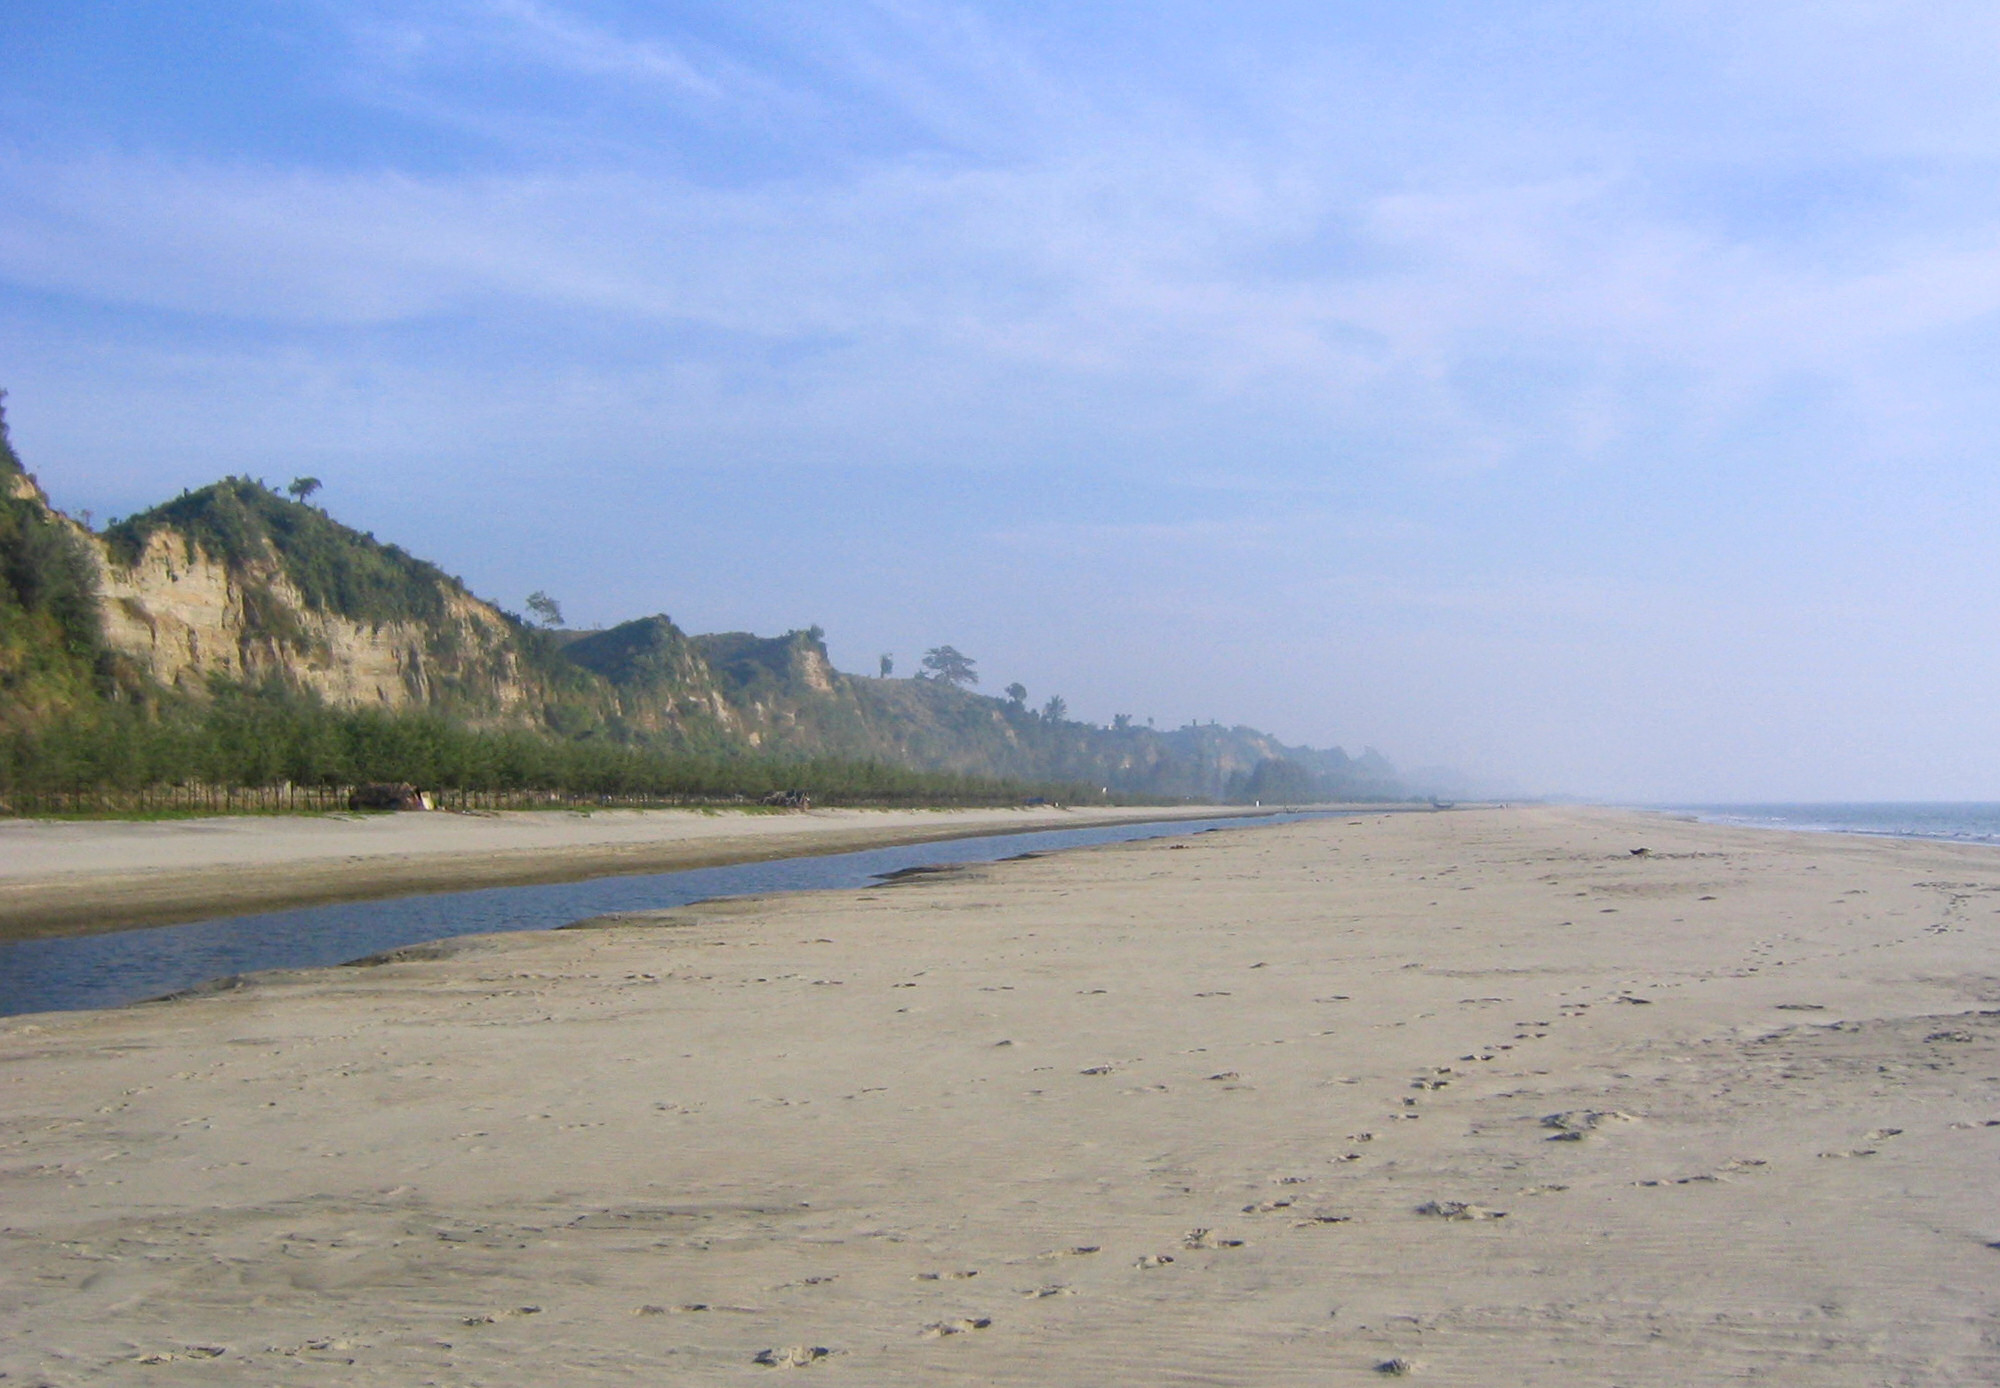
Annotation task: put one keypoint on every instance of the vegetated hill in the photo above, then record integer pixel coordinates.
(234, 586)
(236, 582)
(659, 681)
(52, 653)
(785, 696)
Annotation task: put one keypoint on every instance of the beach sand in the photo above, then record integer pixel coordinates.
(75, 877)
(1476, 1098)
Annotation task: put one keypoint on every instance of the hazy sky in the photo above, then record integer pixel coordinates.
(1598, 397)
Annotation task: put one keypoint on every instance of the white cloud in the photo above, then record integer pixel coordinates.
(1140, 264)
(1259, 265)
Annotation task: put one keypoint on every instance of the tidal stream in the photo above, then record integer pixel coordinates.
(107, 970)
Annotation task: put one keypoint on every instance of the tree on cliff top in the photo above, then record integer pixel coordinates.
(546, 609)
(947, 665)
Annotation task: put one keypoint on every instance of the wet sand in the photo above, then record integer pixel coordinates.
(1476, 1098)
(77, 877)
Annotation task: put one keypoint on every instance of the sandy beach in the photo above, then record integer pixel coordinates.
(1476, 1098)
(61, 878)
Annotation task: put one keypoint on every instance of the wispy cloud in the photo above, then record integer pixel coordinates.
(1129, 269)
(547, 34)
(1557, 293)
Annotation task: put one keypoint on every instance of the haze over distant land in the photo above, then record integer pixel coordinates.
(1597, 399)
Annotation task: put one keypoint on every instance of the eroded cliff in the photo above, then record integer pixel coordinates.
(236, 587)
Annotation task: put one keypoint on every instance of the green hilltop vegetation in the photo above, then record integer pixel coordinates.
(52, 655)
(332, 568)
(239, 637)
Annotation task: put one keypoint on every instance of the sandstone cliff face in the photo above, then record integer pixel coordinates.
(660, 681)
(235, 583)
(183, 616)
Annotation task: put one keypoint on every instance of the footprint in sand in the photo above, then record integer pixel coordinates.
(1204, 1238)
(502, 1315)
(1155, 1260)
(1458, 1210)
(1576, 1124)
(185, 1352)
(937, 1330)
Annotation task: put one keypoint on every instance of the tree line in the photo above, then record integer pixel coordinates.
(269, 737)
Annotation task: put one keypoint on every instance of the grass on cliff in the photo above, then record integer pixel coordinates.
(52, 655)
(242, 523)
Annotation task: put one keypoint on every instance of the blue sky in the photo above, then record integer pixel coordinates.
(1598, 397)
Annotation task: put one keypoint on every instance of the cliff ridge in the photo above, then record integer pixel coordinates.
(236, 587)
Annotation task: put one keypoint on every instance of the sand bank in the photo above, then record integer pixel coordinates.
(1480, 1097)
(75, 877)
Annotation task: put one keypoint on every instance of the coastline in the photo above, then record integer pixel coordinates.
(55, 878)
(1480, 1097)
(1966, 822)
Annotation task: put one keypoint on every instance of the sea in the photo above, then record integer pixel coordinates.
(1951, 821)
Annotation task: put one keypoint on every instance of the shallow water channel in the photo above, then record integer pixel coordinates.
(125, 966)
